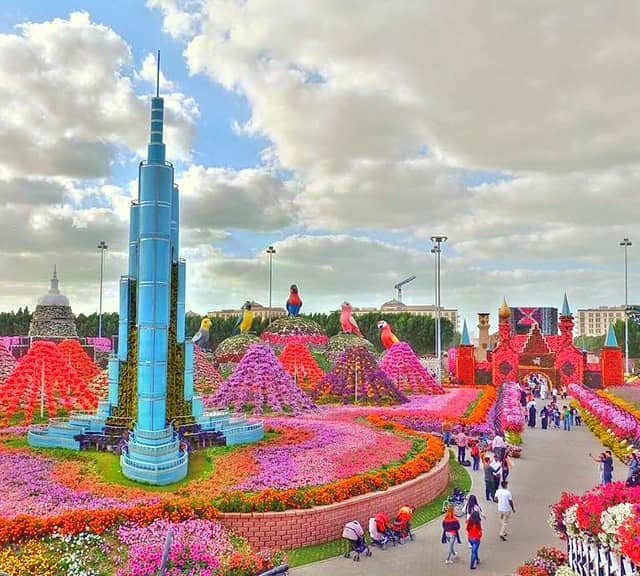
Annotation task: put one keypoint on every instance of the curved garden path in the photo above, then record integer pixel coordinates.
(553, 461)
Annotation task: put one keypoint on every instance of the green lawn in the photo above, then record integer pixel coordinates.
(459, 477)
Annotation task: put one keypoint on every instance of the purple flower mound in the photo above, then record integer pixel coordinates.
(260, 384)
(358, 367)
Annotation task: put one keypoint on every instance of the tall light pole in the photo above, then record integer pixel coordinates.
(102, 247)
(271, 251)
(436, 250)
(626, 243)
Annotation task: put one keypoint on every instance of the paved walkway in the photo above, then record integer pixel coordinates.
(553, 461)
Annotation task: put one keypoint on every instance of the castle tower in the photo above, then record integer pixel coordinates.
(566, 322)
(465, 359)
(151, 379)
(483, 336)
(504, 326)
(611, 364)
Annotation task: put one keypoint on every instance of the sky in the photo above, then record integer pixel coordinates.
(345, 134)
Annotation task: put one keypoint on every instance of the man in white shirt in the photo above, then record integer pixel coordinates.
(496, 468)
(505, 508)
(498, 445)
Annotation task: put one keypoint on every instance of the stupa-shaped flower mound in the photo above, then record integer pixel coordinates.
(205, 376)
(402, 365)
(357, 368)
(260, 384)
(232, 349)
(295, 329)
(8, 362)
(75, 355)
(343, 341)
(44, 368)
(301, 365)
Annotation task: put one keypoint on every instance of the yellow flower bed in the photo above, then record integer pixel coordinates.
(30, 559)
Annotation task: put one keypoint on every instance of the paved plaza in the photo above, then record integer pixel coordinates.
(553, 461)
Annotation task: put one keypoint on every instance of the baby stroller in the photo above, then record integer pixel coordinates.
(379, 531)
(458, 500)
(353, 535)
(401, 526)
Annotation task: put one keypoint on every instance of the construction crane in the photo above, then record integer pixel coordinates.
(399, 286)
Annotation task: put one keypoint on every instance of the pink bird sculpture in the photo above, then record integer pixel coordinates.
(387, 337)
(347, 321)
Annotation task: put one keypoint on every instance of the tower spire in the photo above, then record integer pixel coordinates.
(158, 75)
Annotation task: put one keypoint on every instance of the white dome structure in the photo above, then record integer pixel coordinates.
(53, 297)
(53, 317)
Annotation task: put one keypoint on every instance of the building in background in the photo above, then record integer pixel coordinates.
(596, 321)
(396, 307)
(259, 311)
(522, 319)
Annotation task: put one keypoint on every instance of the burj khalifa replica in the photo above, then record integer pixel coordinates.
(151, 415)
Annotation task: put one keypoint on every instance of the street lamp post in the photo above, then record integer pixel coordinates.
(102, 247)
(271, 251)
(436, 250)
(626, 243)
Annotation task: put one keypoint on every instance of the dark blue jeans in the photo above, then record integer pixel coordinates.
(475, 547)
(489, 489)
(461, 453)
(476, 462)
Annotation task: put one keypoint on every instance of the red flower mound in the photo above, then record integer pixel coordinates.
(75, 355)
(8, 362)
(402, 365)
(205, 376)
(357, 369)
(99, 385)
(301, 365)
(44, 367)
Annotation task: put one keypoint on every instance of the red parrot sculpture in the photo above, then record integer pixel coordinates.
(294, 303)
(387, 337)
(347, 321)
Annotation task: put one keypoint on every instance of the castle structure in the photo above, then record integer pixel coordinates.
(53, 317)
(535, 357)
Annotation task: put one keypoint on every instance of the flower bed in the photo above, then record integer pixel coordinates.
(624, 425)
(546, 563)
(76, 357)
(403, 367)
(356, 377)
(43, 368)
(232, 349)
(343, 341)
(260, 384)
(509, 417)
(609, 515)
(301, 365)
(295, 329)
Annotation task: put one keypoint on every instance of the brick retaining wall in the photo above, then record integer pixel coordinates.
(295, 528)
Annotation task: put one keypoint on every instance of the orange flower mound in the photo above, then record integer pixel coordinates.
(76, 357)
(43, 368)
(301, 365)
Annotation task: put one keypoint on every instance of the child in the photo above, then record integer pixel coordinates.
(446, 433)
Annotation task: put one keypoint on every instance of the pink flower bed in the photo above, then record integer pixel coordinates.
(27, 487)
(623, 424)
(336, 450)
(509, 415)
(284, 339)
(402, 365)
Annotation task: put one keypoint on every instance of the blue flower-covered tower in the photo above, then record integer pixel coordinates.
(151, 402)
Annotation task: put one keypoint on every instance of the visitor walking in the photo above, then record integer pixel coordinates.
(506, 466)
(498, 445)
(532, 408)
(566, 418)
(577, 420)
(461, 441)
(474, 506)
(475, 455)
(505, 508)
(474, 533)
(607, 468)
(489, 483)
(496, 468)
(446, 433)
(544, 417)
(543, 390)
(554, 393)
(632, 464)
(450, 534)
(599, 460)
(556, 417)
